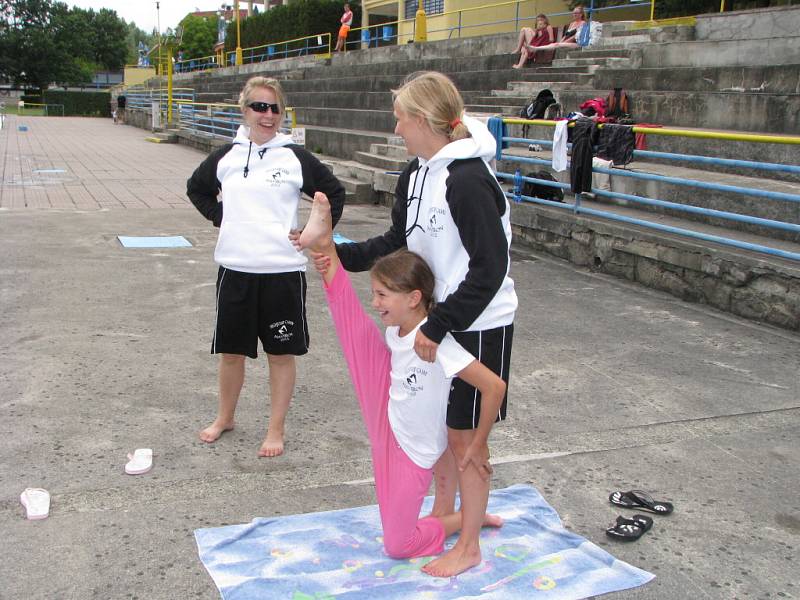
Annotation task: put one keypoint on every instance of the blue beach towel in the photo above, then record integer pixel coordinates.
(339, 554)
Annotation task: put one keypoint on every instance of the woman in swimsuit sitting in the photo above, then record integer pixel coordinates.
(569, 34)
(529, 39)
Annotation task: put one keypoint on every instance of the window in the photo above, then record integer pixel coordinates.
(431, 7)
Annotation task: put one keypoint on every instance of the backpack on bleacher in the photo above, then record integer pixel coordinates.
(536, 108)
(538, 105)
(544, 192)
(618, 105)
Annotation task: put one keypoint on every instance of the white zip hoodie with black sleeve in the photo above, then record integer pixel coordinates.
(451, 210)
(259, 188)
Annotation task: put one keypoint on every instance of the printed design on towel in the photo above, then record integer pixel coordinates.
(322, 556)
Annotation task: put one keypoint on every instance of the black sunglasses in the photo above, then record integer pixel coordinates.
(261, 107)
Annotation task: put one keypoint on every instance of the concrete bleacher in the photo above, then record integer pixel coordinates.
(344, 104)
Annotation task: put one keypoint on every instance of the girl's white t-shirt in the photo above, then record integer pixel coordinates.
(418, 394)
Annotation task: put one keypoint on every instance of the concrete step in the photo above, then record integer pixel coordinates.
(623, 41)
(340, 99)
(398, 152)
(600, 53)
(163, 137)
(593, 63)
(528, 88)
(504, 110)
(358, 192)
(776, 79)
(381, 162)
(368, 120)
(340, 142)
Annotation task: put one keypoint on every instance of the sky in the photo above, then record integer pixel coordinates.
(144, 14)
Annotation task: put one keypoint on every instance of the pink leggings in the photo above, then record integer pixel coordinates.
(400, 484)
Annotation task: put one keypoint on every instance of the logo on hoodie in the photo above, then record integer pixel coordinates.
(277, 177)
(436, 221)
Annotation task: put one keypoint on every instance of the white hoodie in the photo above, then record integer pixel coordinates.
(458, 220)
(260, 187)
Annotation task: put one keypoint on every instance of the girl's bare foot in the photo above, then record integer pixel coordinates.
(272, 444)
(454, 561)
(212, 432)
(318, 232)
(461, 557)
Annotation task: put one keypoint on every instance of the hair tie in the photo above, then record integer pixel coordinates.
(454, 123)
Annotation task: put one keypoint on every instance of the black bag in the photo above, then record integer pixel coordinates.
(537, 106)
(543, 192)
(618, 105)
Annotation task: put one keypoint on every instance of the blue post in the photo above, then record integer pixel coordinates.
(517, 186)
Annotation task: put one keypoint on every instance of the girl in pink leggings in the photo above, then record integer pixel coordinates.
(403, 399)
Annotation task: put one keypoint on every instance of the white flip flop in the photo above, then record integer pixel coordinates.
(36, 502)
(141, 461)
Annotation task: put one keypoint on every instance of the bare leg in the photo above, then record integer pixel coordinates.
(445, 473)
(282, 375)
(474, 497)
(524, 40)
(231, 379)
(520, 41)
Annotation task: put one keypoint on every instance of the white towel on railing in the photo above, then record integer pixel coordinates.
(560, 146)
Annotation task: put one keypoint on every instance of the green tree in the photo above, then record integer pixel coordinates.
(199, 36)
(44, 42)
(109, 47)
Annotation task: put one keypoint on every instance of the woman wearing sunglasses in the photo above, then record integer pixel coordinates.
(251, 189)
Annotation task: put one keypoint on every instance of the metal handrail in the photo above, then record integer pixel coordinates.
(219, 119)
(577, 208)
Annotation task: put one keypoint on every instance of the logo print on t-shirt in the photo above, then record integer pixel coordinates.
(411, 385)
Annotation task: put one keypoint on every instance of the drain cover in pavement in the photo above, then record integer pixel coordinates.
(170, 241)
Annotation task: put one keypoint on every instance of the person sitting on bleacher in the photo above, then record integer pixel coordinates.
(530, 39)
(569, 33)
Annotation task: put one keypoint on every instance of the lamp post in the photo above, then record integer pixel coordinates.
(239, 59)
(158, 26)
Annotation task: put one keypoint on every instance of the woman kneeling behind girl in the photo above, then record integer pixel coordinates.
(403, 399)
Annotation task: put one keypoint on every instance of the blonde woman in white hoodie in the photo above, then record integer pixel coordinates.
(251, 189)
(450, 210)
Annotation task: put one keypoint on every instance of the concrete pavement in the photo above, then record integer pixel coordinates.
(105, 349)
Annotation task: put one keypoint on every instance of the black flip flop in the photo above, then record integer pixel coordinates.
(629, 530)
(640, 500)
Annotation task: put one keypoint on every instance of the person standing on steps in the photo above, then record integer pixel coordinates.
(251, 189)
(346, 21)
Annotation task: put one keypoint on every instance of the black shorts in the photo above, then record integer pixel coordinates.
(266, 306)
(492, 347)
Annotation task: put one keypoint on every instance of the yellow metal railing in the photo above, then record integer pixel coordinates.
(368, 39)
(323, 40)
(691, 133)
(202, 63)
